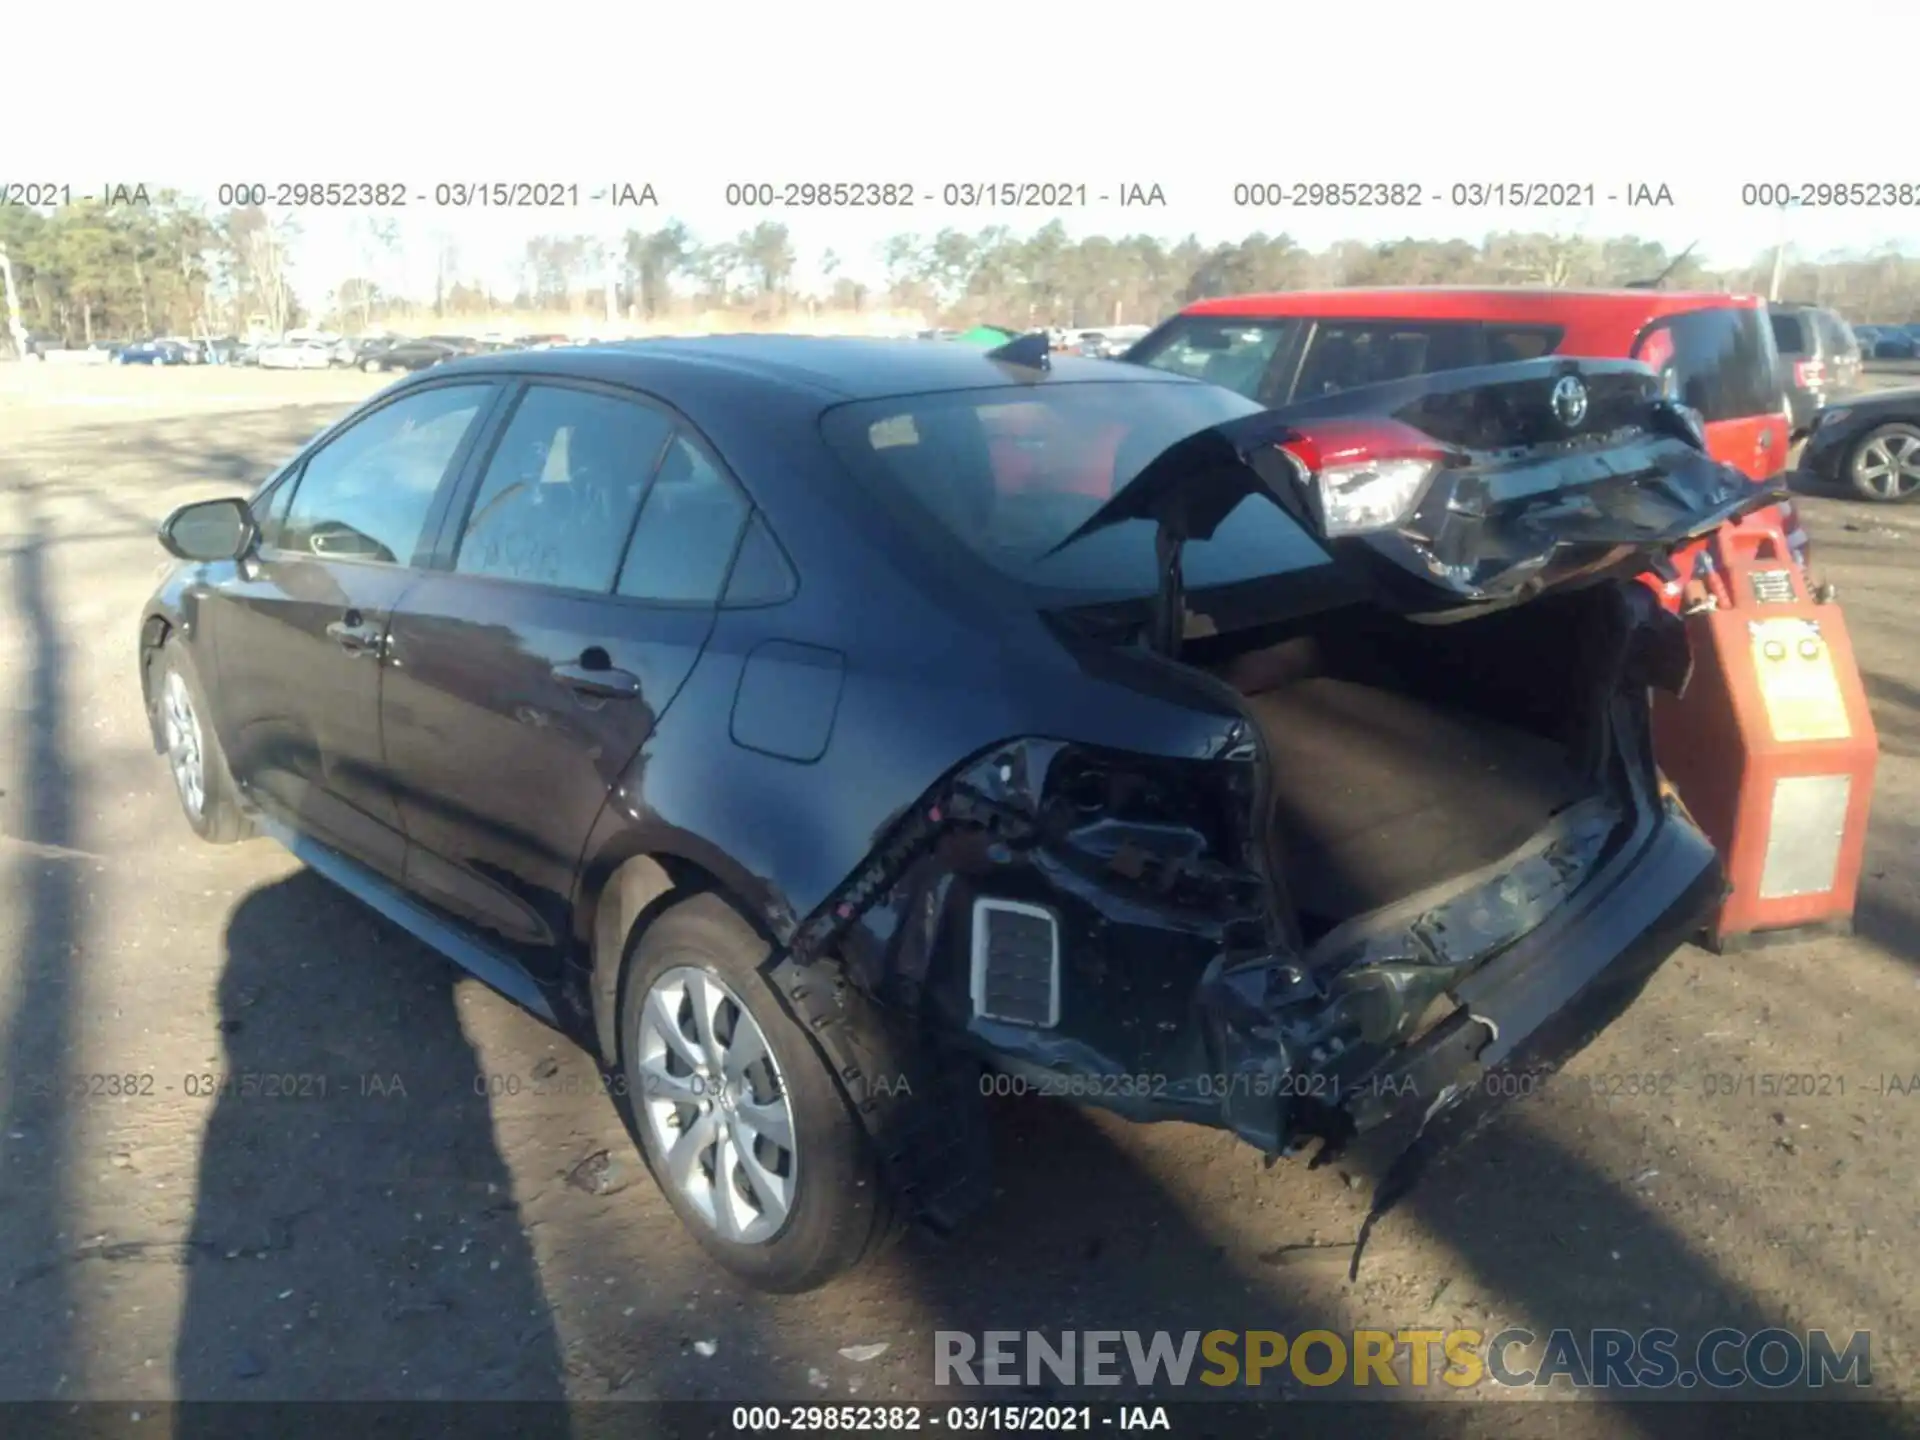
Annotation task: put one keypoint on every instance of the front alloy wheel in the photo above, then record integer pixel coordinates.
(715, 1103)
(180, 728)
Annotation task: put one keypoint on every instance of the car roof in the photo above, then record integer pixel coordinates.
(1517, 303)
(834, 368)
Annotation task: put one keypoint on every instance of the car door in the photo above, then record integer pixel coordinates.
(300, 632)
(1724, 364)
(529, 670)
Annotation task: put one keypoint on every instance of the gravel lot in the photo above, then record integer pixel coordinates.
(427, 1238)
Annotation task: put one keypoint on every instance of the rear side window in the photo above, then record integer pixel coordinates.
(1789, 335)
(1837, 335)
(1722, 363)
(688, 529)
(562, 488)
(1238, 354)
(1347, 354)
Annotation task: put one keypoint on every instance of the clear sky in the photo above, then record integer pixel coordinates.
(1195, 99)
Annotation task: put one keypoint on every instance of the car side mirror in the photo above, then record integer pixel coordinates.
(210, 530)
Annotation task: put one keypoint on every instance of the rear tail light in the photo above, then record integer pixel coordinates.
(1808, 373)
(1368, 474)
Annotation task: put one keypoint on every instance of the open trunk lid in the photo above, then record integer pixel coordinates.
(1456, 491)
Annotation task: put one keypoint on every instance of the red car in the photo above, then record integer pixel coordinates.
(1716, 352)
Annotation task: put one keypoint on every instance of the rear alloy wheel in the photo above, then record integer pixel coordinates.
(372, 367)
(1886, 465)
(194, 757)
(715, 1105)
(744, 1126)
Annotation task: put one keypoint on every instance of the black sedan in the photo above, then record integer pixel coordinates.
(152, 352)
(830, 733)
(408, 355)
(1871, 444)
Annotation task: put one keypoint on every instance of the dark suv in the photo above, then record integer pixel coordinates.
(1819, 359)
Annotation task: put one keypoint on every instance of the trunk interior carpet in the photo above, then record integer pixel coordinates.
(1379, 795)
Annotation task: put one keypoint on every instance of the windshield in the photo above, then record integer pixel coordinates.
(1010, 472)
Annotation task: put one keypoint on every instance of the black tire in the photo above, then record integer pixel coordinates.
(840, 1212)
(1896, 436)
(217, 818)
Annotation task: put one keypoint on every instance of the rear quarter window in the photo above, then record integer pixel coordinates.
(1722, 363)
(1789, 335)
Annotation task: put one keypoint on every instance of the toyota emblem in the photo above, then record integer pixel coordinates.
(1570, 401)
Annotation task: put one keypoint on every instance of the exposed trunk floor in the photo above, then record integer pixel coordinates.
(1380, 795)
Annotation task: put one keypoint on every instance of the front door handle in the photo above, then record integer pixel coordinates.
(603, 681)
(354, 635)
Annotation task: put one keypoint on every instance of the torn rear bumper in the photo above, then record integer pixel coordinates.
(1525, 1013)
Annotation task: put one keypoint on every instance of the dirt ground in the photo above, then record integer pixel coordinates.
(437, 1224)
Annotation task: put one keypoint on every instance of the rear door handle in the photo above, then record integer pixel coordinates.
(605, 682)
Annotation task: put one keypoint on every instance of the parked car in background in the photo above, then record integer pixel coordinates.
(1819, 358)
(296, 355)
(151, 352)
(355, 353)
(543, 342)
(1869, 443)
(1894, 342)
(1714, 352)
(1107, 344)
(459, 344)
(410, 355)
(223, 349)
(807, 889)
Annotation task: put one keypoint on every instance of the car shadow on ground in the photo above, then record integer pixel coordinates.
(355, 1231)
(1082, 1238)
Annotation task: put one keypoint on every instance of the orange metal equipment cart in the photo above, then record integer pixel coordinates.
(1771, 747)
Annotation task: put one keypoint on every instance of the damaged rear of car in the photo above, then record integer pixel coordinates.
(1414, 832)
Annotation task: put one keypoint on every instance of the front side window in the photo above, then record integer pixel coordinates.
(562, 488)
(366, 494)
